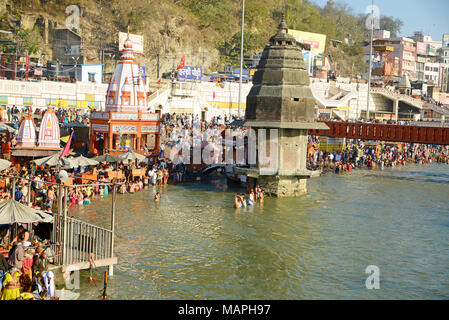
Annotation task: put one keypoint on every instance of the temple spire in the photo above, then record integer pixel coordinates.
(283, 25)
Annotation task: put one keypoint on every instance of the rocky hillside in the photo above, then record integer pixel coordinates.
(206, 31)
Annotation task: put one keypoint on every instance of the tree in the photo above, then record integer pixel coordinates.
(230, 50)
(391, 24)
(26, 42)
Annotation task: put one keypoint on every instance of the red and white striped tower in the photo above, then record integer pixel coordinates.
(26, 137)
(49, 135)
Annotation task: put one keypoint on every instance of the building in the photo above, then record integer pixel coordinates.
(33, 144)
(381, 34)
(66, 45)
(432, 73)
(385, 64)
(281, 105)
(444, 50)
(126, 123)
(403, 49)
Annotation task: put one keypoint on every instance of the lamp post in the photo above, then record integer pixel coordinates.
(76, 66)
(241, 56)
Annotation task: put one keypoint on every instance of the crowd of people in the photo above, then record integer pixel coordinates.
(357, 154)
(255, 195)
(25, 273)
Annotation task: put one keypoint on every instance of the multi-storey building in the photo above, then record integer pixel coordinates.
(404, 51)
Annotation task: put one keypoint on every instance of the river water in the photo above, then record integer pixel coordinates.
(195, 245)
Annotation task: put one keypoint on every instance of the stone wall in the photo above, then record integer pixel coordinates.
(283, 186)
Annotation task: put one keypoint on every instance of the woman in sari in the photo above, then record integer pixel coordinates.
(11, 285)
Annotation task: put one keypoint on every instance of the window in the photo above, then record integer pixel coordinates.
(91, 76)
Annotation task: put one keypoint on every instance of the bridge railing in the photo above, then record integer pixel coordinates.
(385, 132)
(84, 239)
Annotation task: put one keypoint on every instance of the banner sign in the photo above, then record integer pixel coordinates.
(27, 101)
(244, 72)
(62, 103)
(92, 105)
(3, 100)
(421, 48)
(190, 74)
(50, 102)
(331, 144)
(316, 41)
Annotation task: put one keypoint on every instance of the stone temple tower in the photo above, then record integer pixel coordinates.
(281, 99)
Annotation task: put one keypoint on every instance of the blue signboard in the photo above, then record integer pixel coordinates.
(142, 71)
(190, 74)
(237, 71)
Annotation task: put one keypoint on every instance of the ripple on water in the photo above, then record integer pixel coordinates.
(195, 245)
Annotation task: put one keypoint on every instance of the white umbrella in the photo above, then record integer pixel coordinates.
(4, 164)
(80, 162)
(51, 161)
(131, 155)
(106, 158)
(12, 211)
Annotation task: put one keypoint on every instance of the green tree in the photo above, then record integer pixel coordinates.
(27, 42)
(230, 49)
(391, 24)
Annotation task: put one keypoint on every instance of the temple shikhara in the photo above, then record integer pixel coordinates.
(31, 143)
(126, 123)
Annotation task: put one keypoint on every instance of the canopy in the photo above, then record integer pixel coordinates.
(79, 162)
(12, 211)
(51, 161)
(131, 155)
(106, 158)
(4, 127)
(4, 164)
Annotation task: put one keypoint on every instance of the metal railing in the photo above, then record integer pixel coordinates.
(84, 239)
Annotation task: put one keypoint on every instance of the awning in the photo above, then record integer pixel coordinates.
(33, 152)
(12, 211)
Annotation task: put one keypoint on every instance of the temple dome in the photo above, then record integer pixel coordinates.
(26, 136)
(49, 135)
(126, 86)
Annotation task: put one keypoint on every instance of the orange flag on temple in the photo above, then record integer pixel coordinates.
(183, 63)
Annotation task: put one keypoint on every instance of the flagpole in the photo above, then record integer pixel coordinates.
(241, 57)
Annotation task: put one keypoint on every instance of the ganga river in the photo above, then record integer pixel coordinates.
(195, 245)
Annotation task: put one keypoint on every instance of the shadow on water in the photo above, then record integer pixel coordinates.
(194, 245)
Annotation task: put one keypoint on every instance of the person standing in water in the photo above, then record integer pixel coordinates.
(251, 197)
(237, 203)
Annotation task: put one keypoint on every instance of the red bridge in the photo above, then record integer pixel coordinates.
(385, 132)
